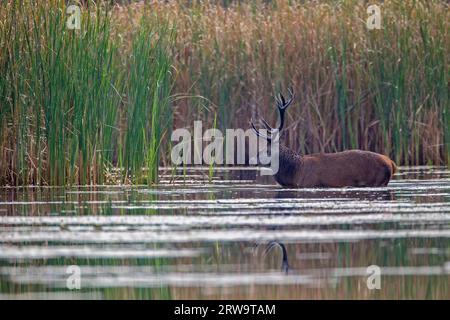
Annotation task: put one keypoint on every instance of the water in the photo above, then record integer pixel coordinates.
(232, 237)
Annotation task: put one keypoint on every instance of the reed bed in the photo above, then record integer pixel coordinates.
(76, 104)
(381, 90)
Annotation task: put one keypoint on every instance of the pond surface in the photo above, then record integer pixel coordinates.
(235, 236)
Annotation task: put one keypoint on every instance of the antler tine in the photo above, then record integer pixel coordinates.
(259, 134)
(268, 127)
(282, 105)
(291, 92)
(279, 101)
(291, 96)
(282, 99)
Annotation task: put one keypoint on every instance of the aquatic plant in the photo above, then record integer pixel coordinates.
(66, 94)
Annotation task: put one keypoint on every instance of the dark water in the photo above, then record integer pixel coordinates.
(232, 237)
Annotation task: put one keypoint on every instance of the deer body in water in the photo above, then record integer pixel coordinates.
(352, 168)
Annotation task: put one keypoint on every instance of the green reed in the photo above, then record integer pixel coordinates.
(147, 90)
(62, 92)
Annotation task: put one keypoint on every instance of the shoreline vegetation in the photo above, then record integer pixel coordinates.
(76, 105)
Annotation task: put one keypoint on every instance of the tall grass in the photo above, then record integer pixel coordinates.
(75, 103)
(381, 90)
(147, 88)
(63, 93)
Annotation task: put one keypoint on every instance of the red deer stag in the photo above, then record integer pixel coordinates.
(351, 168)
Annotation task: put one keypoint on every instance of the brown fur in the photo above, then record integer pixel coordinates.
(352, 168)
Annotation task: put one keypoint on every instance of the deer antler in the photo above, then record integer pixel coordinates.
(282, 105)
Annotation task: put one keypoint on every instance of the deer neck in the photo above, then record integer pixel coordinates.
(290, 164)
